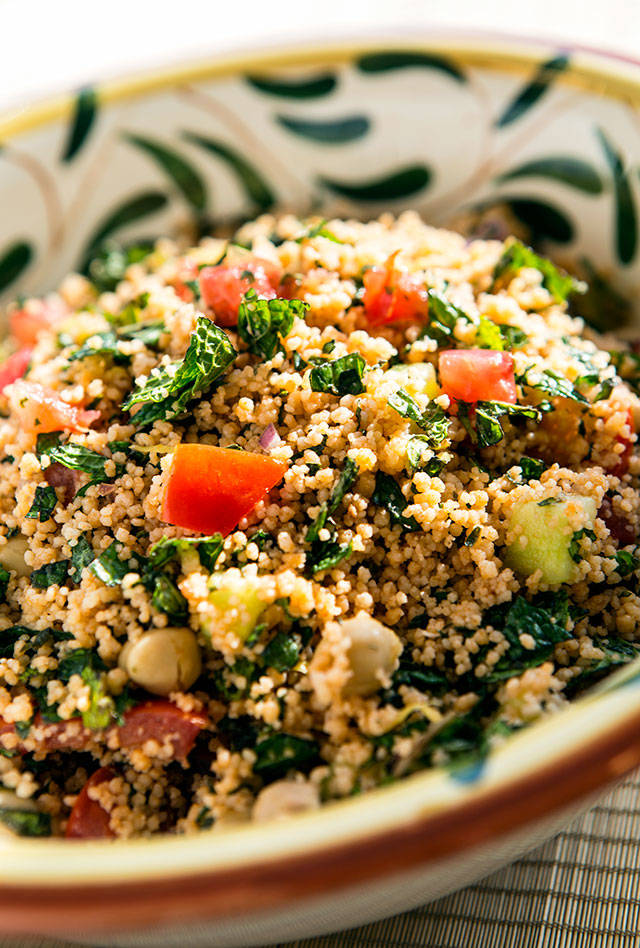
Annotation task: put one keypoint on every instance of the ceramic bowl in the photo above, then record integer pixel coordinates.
(356, 129)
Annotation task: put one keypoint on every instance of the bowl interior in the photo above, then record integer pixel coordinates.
(444, 129)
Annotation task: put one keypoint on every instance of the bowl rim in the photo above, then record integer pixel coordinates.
(48, 886)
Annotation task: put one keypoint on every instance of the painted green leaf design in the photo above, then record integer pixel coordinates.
(185, 177)
(328, 132)
(82, 121)
(626, 218)
(311, 88)
(399, 184)
(13, 261)
(254, 184)
(131, 210)
(565, 169)
(389, 60)
(533, 91)
(544, 220)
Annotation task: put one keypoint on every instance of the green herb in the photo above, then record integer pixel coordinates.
(167, 598)
(108, 567)
(53, 574)
(168, 548)
(513, 336)
(263, 324)
(279, 753)
(4, 583)
(130, 312)
(103, 344)
(432, 420)
(26, 822)
(45, 443)
(488, 335)
(605, 390)
(79, 458)
(548, 502)
(329, 346)
(81, 555)
(627, 563)
(545, 622)
(101, 710)
(149, 334)
(420, 457)
(531, 468)
(554, 385)
(343, 376)
(325, 554)
(319, 230)
(77, 661)
(516, 256)
(443, 316)
(44, 503)
(344, 483)
(574, 545)
(282, 652)
(298, 362)
(486, 428)
(471, 537)
(616, 652)
(109, 263)
(168, 389)
(387, 494)
(428, 681)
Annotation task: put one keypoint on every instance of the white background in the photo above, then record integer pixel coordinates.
(51, 45)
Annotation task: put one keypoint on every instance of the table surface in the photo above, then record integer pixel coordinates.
(581, 889)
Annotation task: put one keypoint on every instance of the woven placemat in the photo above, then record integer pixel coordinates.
(581, 889)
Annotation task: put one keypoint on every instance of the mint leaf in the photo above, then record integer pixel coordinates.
(554, 385)
(517, 255)
(387, 494)
(44, 503)
(482, 420)
(262, 324)
(343, 376)
(52, 574)
(432, 420)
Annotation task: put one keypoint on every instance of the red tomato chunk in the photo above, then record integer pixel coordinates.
(88, 819)
(15, 367)
(27, 323)
(210, 489)
(41, 409)
(391, 296)
(223, 287)
(474, 375)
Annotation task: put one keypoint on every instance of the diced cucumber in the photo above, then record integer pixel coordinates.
(419, 378)
(237, 606)
(544, 534)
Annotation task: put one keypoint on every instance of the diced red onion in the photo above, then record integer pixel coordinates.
(270, 438)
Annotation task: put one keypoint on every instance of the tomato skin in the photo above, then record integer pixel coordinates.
(622, 465)
(222, 287)
(474, 375)
(391, 296)
(619, 528)
(14, 367)
(88, 819)
(27, 323)
(210, 489)
(152, 720)
(41, 409)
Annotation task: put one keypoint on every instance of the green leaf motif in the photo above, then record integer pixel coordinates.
(312, 88)
(626, 217)
(391, 60)
(82, 121)
(181, 172)
(543, 220)
(130, 211)
(399, 184)
(575, 172)
(327, 132)
(533, 91)
(14, 260)
(256, 188)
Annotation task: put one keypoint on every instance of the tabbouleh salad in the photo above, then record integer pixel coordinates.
(288, 516)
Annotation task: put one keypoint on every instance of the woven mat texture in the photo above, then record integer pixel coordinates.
(579, 890)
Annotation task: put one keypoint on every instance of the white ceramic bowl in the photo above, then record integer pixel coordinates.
(440, 127)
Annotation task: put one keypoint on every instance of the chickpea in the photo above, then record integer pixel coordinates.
(284, 798)
(12, 555)
(163, 660)
(373, 654)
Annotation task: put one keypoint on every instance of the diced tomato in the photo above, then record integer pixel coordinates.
(622, 465)
(41, 409)
(392, 296)
(15, 367)
(222, 287)
(159, 720)
(88, 819)
(474, 375)
(210, 489)
(28, 322)
(618, 526)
